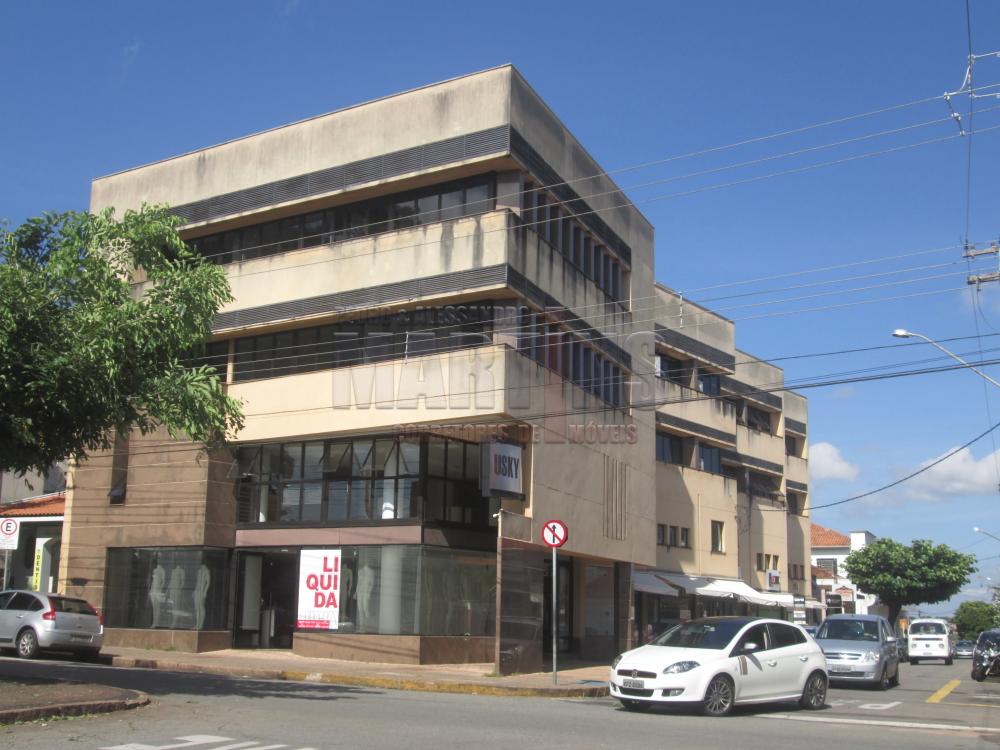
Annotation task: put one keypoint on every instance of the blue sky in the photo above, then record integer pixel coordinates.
(92, 89)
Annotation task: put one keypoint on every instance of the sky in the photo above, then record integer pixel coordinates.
(866, 245)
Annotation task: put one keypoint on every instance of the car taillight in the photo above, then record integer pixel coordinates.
(95, 613)
(50, 615)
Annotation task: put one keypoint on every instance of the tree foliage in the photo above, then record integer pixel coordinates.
(84, 351)
(899, 575)
(972, 618)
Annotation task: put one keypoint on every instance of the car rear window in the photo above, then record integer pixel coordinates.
(848, 630)
(71, 606)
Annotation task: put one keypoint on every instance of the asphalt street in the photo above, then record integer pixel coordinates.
(935, 707)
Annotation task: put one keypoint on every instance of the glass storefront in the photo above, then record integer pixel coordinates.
(180, 588)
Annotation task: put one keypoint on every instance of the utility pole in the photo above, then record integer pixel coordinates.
(983, 278)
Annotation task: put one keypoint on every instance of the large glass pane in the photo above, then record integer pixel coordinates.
(285, 354)
(477, 199)
(428, 209)
(409, 457)
(435, 456)
(312, 501)
(291, 233)
(291, 494)
(407, 498)
(404, 213)
(456, 459)
(313, 461)
(338, 459)
(305, 350)
(435, 500)
(361, 500)
(336, 500)
(385, 498)
(312, 229)
(472, 461)
(270, 235)
(362, 463)
(250, 244)
(458, 590)
(451, 204)
(291, 461)
(378, 218)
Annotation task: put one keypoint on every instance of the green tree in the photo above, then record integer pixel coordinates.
(84, 351)
(972, 618)
(899, 575)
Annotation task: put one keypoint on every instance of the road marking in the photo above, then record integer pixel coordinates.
(941, 694)
(189, 741)
(874, 723)
(880, 706)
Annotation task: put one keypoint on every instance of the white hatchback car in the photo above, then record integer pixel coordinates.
(718, 662)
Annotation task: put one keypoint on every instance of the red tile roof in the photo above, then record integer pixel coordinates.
(43, 505)
(824, 537)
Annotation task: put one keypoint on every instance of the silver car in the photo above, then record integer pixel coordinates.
(31, 622)
(860, 648)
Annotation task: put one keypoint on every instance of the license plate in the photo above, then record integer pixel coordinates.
(80, 637)
(630, 683)
(839, 670)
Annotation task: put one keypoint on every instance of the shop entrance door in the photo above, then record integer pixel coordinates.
(564, 607)
(267, 588)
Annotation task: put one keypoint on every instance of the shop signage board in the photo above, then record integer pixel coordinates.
(319, 590)
(9, 530)
(774, 580)
(502, 466)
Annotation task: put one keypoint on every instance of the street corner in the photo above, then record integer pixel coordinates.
(25, 700)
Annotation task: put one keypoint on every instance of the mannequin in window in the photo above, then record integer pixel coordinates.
(366, 586)
(203, 579)
(175, 589)
(157, 584)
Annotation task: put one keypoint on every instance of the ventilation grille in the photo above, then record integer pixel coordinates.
(463, 147)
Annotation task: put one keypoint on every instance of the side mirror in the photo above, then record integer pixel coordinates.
(749, 647)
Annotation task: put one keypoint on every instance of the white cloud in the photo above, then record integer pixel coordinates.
(961, 474)
(825, 462)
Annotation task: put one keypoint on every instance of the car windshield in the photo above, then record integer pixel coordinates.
(927, 628)
(989, 639)
(701, 634)
(848, 630)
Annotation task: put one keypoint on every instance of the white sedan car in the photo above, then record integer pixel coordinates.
(718, 662)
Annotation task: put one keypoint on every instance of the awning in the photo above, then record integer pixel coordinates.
(738, 590)
(653, 583)
(813, 604)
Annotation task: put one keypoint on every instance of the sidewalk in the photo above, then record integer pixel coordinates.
(575, 681)
(27, 699)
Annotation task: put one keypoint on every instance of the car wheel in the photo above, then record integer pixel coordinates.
(814, 693)
(719, 697)
(637, 706)
(883, 680)
(27, 644)
(895, 678)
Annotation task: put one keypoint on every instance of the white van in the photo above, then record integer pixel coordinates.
(929, 638)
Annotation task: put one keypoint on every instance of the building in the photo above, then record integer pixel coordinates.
(829, 550)
(442, 336)
(16, 487)
(34, 562)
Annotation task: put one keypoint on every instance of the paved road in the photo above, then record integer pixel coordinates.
(214, 713)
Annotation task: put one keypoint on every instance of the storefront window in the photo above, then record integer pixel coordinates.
(178, 588)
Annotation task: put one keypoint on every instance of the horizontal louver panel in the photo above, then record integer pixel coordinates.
(482, 143)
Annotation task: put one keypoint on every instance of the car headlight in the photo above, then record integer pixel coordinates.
(681, 667)
(871, 656)
(614, 662)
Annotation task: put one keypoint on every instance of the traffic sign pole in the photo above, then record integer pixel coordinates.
(554, 536)
(6, 566)
(555, 610)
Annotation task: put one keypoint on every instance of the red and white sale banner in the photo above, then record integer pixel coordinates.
(319, 589)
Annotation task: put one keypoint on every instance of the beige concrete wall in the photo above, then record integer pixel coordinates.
(692, 498)
(425, 115)
(713, 413)
(799, 552)
(757, 372)
(795, 406)
(760, 445)
(694, 321)
(768, 533)
(797, 469)
(169, 489)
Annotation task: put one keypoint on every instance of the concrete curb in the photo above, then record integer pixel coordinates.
(372, 681)
(35, 713)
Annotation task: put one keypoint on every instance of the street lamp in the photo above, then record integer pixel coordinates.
(983, 531)
(902, 333)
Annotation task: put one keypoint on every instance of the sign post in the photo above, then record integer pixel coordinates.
(554, 534)
(10, 529)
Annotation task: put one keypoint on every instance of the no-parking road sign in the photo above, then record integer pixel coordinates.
(554, 533)
(9, 528)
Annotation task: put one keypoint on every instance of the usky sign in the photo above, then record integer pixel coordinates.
(501, 469)
(319, 589)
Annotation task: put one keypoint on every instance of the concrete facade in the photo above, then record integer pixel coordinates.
(561, 363)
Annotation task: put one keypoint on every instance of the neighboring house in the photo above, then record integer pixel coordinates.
(443, 308)
(829, 550)
(35, 563)
(15, 487)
